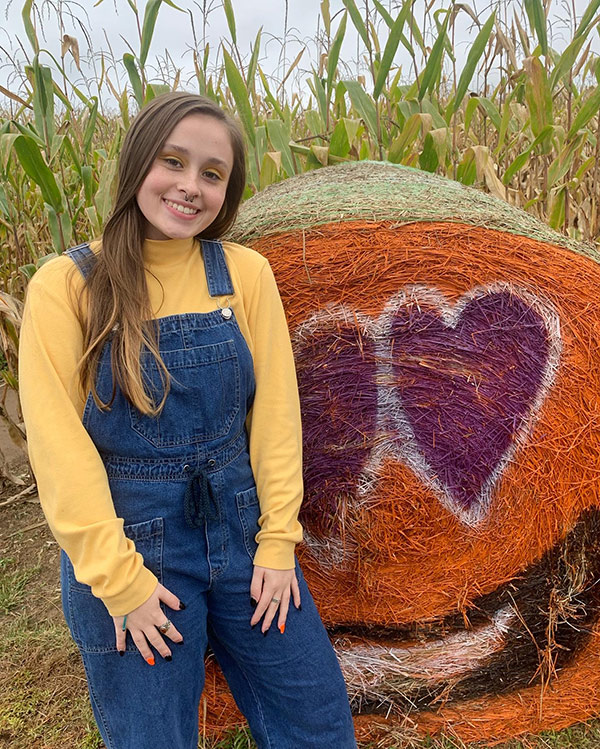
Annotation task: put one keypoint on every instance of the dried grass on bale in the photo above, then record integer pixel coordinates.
(479, 608)
(376, 191)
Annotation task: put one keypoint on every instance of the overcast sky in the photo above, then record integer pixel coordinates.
(106, 25)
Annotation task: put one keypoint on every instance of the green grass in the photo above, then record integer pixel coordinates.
(13, 582)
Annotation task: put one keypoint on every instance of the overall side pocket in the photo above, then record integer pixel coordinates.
(248, 510)
(87, 617)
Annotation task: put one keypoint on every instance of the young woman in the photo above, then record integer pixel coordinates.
(159, 393)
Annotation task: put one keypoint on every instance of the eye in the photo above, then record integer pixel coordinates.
(212, 175)
(172, 161)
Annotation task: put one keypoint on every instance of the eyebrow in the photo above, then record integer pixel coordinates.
(185, 152)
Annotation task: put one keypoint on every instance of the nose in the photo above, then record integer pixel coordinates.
(189, 184)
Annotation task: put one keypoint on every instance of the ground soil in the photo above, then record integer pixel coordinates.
(43, 696)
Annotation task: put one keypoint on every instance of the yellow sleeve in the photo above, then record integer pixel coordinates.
(274, 426)
(72, 482)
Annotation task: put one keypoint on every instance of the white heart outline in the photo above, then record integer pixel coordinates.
(394, 437)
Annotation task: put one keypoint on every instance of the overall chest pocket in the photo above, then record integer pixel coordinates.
(203, 398)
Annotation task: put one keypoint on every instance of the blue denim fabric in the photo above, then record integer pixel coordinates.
(184, 486)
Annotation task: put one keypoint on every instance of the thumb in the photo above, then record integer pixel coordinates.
(172, 601)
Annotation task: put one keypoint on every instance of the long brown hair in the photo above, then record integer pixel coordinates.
(117, 299)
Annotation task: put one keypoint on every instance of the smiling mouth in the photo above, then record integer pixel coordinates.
(182, 209)
(521, 634)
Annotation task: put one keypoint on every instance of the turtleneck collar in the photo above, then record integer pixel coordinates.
(169, 251)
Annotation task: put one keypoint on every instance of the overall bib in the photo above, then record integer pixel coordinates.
(184, 486)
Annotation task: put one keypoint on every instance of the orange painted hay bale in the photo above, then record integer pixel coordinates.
(450, 386)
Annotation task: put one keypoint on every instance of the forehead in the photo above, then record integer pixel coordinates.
(202, 136)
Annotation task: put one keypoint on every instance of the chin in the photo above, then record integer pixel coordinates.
(450, 394)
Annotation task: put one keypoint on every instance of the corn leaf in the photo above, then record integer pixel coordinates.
(150, 16)
(240, 95)
(566, 61)
(475, 52)
(230, 16)
(363, 104)
(358, 22)
(43, 101)
(29, 27)
(106, 187)
(334, 54)
(466, 171)
(279, 135)
(586, 112)
(491, 110)
(587, 17)
(134, 78)
(385, 14)
(537, 20)
(60, 229)
(408, 136)
(90, 127)
(433, 68)
(523, 157)
(326, 16)
(252, 65)
(390, 49)
(470, 110)
(558, 199)
(270, 169)
(32, 161)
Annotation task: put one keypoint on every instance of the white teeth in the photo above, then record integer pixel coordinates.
(181, 208)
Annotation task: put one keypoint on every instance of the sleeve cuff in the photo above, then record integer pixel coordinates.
(275, 554)
(134, 595)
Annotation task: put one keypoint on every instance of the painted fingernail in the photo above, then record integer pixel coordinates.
(252, 626)
(121, 652)
(299, 607)
(265, 633)
(168, 657)
(150, 661)
(282, 628)
(181, 605)
(253, 602)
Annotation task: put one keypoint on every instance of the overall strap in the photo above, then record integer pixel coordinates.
(217, 275)
(83, 257)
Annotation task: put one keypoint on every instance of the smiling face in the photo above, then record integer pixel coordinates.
(185, 188)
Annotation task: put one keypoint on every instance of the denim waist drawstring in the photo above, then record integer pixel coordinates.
(199, 501)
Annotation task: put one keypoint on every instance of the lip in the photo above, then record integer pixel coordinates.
(178, 214)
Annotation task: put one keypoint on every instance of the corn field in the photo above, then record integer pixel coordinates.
(517, 118)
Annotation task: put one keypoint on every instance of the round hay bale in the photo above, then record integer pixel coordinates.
(449, 373)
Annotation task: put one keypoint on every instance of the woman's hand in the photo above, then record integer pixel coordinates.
(272, 589)
(143, 624)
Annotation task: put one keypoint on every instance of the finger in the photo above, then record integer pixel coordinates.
(172, 601)
(296, 593)
(259, 611)
(155, 638)
(120, 634)
(173, 633)
(272, 608)
(283, 611)
(256, 585)
(142, 646)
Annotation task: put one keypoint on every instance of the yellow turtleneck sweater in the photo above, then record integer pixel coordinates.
(71, 478)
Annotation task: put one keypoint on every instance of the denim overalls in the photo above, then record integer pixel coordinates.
(184, 486)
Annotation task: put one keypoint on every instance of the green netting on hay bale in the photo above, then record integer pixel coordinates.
(380, 191)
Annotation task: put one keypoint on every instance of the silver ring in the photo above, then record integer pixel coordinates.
(164, 628)
(275, 600)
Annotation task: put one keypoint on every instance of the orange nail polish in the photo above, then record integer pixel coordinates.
(150, 661)
(282, 628)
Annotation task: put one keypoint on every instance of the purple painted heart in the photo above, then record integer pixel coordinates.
(451, 390)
